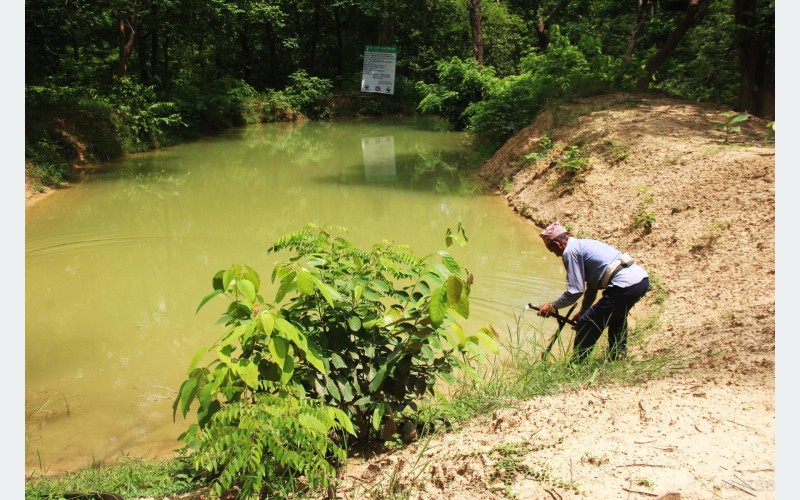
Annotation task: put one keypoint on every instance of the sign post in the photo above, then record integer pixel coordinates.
(378, 73)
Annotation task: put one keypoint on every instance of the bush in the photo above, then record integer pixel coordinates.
(352, 334)
(143, 122)
(461, 84)
(309, 95)
(563, 69)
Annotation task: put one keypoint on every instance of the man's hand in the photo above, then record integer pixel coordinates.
(547, 310)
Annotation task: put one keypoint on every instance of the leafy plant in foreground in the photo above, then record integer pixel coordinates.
(352, 337)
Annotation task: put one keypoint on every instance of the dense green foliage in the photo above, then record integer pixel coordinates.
(352, 339)
(103, 79)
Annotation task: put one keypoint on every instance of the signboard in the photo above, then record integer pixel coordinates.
(379, 158)
(378, 73)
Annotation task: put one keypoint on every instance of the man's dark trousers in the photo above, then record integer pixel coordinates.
(612, 311)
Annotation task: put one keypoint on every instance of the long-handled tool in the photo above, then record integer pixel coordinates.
(562, 320)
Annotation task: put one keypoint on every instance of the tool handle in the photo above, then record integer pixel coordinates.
(557, 316)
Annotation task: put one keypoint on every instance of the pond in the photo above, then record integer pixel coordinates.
(116, 266)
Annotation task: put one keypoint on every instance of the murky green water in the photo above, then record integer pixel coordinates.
(116, 266)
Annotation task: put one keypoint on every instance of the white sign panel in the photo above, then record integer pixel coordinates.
(378, 73)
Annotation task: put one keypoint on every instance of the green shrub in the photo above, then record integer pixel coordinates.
(461, 84)
(563, 69)
(309, 95)
(364, 332)
(143, 122)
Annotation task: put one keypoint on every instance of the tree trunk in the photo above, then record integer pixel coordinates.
(693, 13)
(541, 21)
(128, 24)
(540, 28)
(127, 37)
(638, 23)
(313, 43)
(154, 53)
(166, 60)
(386, 26)
(477, 30)
(141, 50)
(247, 52)
(756, 50)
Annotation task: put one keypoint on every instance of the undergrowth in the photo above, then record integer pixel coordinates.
(128, 477)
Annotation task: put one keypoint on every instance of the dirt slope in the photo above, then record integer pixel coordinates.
(708, 432)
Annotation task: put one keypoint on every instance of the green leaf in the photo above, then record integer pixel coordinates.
(249, 372)
(362, 401)
(342, 418)
(354, 322)
(438, 305)
(337, 361)
(332, 389)
(252, 276)
(462, 306)
(227, 278)
(327, 291)
(216, 281)
(290, 332)
(455, 287)
(379, 285)
(288, 368)
(247, 289)
(305, 282)
(431, 279)
(267, 320)
(738, 118)
(224, 353)
(371, 295)
(376, 382)
(377, 416)
(287, 285)
(278, 347)
(314, 357)
(207, 298)
(487, 340)
(197, 357)
(186, 395)
(427, 354)
(392, 316)
(309, 421)
(449, 262)
(345, 388)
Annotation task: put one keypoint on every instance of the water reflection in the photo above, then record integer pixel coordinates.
(379, 159)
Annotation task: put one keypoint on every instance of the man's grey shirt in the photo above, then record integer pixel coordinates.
(585, 261)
